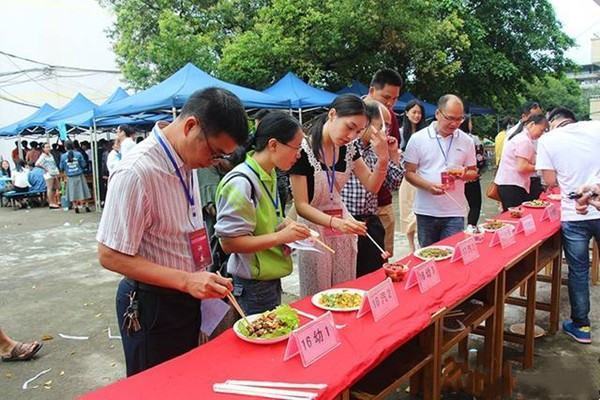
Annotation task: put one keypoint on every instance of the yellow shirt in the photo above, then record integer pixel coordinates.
(499, 145)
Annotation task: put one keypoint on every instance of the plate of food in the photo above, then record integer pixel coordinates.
(492, 225)
(339, 299)
(436, 253)
(536, 204)
(554, 197)
(269, 327)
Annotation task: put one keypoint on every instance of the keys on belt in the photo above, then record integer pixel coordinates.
(131, 321)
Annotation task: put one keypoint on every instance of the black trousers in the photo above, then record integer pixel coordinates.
(473, 195)
(513, 196)
(170, 323)
(369, 256)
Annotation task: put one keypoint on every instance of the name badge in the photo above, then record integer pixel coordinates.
(200, 247)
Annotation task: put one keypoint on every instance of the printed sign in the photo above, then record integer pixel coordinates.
(466, 250)
(425, 275)
(381, 300)
(313, 340)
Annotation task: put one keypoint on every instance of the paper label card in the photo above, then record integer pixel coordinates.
(313, 340)
(551, 213)
(425, 275)
(505, 236)
(466, 250)
(527, 225)
(380, 300)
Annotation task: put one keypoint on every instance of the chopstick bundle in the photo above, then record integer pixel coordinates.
(270, 390)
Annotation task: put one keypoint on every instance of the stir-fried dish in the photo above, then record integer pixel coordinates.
(493, 225)
(341, 300)
(434, 253)
(536, 203)
(271, 324)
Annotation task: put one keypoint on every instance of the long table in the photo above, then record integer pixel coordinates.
(410, 337)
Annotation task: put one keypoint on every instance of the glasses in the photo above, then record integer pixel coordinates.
(215, 155)
(458, 120)
(296, 149)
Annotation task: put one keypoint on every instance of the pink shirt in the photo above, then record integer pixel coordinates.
(519, 146)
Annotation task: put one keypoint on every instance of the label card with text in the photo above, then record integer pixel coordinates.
(551, 213)
(505, 236)
(381, 300)
(467, 250)
(526, 225)
(425, 275)
(313, 340)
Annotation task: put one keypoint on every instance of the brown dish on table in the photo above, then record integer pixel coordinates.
(395, 270)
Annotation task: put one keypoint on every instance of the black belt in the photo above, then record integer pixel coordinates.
(154, 289)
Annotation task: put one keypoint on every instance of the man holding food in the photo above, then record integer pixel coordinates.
(565, 158)
(152, 231)
(438, 160)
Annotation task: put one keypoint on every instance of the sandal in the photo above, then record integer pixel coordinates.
(21, 353)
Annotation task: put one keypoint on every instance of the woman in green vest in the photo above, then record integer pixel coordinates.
(250, 216)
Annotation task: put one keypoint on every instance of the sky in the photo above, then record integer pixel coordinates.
(73, 33)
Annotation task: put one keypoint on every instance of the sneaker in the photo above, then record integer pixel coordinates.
(582, 334)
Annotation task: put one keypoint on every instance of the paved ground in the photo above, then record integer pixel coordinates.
(51, 283)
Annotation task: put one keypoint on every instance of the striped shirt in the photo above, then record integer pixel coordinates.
(146, 211)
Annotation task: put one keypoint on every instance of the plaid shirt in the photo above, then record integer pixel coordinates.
(359, 200)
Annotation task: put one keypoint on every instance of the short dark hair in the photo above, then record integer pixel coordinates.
(465, 124)
(386, 76)
(277, 125)
(127, 129)
(536, 119)
(561, 112)
(528, 106)
(260, 114)
(218, 110)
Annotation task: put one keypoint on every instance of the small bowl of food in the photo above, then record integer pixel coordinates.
(395, 270)
(515, 212)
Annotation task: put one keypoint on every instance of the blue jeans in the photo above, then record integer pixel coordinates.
(576, 237)
(433, 229)
(257, 296)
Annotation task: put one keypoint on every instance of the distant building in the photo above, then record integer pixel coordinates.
(588, 77)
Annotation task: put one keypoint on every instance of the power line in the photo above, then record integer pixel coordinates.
(18, 101)
(107, 71)
(34, 80)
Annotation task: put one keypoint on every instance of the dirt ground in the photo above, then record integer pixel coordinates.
(51, 284)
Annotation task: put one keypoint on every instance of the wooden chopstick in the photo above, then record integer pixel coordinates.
(375, 243)
(323, 244)
(454, 200)
(235, 304)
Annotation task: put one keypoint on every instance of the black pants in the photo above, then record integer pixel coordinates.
(170, 323)
(535, 187)
(369, 256)
(473, 195)
(513, 196)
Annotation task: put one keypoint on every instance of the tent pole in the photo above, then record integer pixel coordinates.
(95, 177)
(174, 110)
(300, 115)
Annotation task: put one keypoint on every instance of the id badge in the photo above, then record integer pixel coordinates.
(200, 249)
(336, 213)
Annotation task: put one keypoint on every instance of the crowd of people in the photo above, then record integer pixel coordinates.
(202, 207)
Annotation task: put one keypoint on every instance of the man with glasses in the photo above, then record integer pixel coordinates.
(385, 88)
(438, 160)
(567, 158)
(152, 231)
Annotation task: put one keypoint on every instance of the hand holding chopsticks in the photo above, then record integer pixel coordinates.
(236, 305)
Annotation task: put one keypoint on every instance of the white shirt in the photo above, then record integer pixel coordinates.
(432, 154)
(572, 151)
(146, 210)
(126, 145)
(21, 178)
(112, 160)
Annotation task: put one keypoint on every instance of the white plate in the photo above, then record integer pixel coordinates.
(251, 318)
(450, 249)
(482, 227)
(529, 205)
(317, 303)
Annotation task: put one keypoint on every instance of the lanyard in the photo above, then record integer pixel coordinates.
(330, 178)
(447, 153)
(275, 201)
(189, 193)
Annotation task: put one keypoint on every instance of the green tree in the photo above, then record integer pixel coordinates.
(553, 92)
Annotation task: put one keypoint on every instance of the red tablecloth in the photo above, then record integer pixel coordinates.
(364, 342)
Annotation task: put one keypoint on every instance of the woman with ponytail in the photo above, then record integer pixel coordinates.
(250, 215)
(73, 164)
(327, 160)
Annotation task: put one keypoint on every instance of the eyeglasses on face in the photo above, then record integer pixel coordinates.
(458, 120)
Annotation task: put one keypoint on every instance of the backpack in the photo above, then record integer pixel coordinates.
(219, 257)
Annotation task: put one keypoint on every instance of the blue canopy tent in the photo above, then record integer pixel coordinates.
(474, 109)
(33, 120)
(78, 105)
(86, 119)
(173, 92)
(300, 94)
(356, 87)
